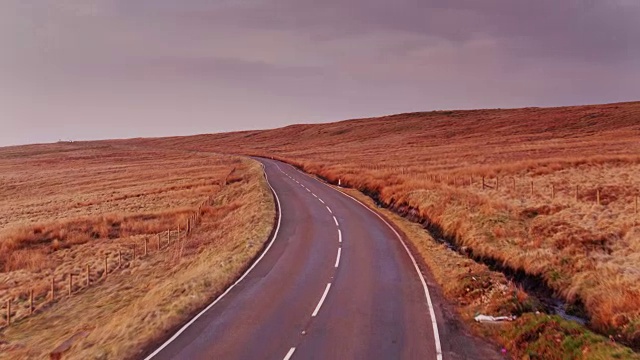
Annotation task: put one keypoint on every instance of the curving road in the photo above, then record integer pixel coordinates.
(335, 282)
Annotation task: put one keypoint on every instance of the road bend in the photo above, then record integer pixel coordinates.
(335, 282)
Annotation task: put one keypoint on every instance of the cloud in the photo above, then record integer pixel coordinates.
(302, 60)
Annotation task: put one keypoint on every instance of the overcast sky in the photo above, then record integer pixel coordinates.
(87, 69)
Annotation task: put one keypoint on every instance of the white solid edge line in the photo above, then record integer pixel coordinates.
(289, 354)
(326, 291)
(328, 208)
(434, 323)
(339, 236)
(432, 313)
(336, 221)
(275, 235)
(338, 257)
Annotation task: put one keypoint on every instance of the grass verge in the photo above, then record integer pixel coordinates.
(474, 289)
(145, 299)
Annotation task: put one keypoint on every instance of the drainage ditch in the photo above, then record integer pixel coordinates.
(535, 286)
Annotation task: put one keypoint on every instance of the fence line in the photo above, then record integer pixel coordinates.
(596, 193)
(11, 314)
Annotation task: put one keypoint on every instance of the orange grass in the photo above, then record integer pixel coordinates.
(67, 206)
(588, 253)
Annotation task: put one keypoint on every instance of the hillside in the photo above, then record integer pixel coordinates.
(550, 192)
(517, 134)
(115, 246)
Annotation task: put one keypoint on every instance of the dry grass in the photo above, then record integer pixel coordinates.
(474, 289)
(587, 253)
(72, 204)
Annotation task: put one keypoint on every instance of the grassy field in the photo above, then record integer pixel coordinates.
(474, 288)
(67, 206)
(577, 229)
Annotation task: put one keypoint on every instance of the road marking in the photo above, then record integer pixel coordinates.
(314, 195)
(275, 235)
(432, 313)
(321, 200)
(338, 258)
(328, 208)
(336, 221)
(339, 236)
(326, 291)
(308, 189)
(434, 323)
(289, 354)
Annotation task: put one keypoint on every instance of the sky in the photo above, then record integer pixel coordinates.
(95, 69)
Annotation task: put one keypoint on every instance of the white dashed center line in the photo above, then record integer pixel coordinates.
(336, 221)
(338, 257)
(314, 195)
(326, 291)
(289, 354)
(321, 200)
(339, 236)
(328, 208)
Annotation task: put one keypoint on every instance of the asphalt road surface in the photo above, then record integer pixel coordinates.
(335, 282)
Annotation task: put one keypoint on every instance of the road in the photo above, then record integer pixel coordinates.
(335, 282)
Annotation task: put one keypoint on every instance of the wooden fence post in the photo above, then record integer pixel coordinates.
(30, 301)
(88, 275)
(145, 246)
(636, 207)
(159, 245)
(70, 283)
(134, 252)
(598, 196)
(119, 257)
(106, 265)
(531, 188)
(8, 312)
(483, 183)
(497, 182)
(168, 237)
(553, 191)
(53, 287)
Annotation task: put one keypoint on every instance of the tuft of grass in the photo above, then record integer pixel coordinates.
(552, 338)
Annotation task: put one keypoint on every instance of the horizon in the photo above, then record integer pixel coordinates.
(109, 69)
(309, 123)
